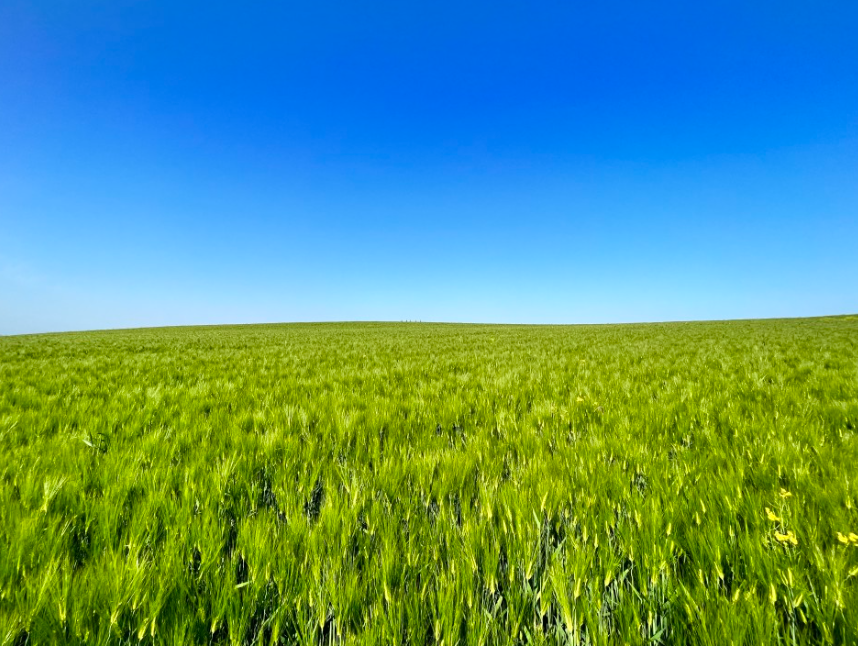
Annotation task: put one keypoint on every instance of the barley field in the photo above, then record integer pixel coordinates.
(378, 483)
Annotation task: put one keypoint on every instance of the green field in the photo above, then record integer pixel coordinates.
(431, 484)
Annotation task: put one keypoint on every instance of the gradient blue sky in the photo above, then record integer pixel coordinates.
(194, 162)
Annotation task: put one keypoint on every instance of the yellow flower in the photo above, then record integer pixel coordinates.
(789, 537)
(853, 538)
(771, 515)
(579, 399)
(843, 539)
(785, 493)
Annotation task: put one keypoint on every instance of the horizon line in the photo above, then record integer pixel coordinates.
(422, 322)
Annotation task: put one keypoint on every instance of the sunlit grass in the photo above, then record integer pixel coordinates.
(428, 484)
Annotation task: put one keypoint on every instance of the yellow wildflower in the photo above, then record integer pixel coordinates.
(579, 399)
(843, 539)
(853, 538)
(771, 515)
(785, 493)
(789, 537)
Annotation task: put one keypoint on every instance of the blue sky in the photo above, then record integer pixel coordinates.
(169, 163)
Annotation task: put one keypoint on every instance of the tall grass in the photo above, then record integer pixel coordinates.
(431, 484)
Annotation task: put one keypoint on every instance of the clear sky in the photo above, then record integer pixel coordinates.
(170, 162)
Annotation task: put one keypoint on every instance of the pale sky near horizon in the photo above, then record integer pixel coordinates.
(197, 163)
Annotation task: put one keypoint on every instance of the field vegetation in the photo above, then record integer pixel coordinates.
(687, 483)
